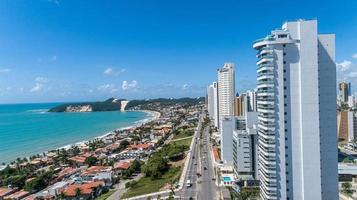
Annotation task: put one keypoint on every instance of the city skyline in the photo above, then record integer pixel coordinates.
(66, 51)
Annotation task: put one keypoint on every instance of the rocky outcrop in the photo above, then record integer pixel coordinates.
(123, 105)
(82, 108)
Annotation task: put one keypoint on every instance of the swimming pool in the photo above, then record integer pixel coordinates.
(227, 179)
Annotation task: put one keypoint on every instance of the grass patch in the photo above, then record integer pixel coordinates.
(183, 132)
(105, 195)
(145, 185)
(186, 142)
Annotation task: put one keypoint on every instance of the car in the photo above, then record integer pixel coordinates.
(205, 168)
(188, 183)
(193, 157)
(195, 163)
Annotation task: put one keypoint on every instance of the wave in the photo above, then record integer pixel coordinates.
(38, 111)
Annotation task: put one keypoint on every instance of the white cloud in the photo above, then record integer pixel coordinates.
(344, 65)
(5, 70)
(108, 71)
(112, 72)
(37, 88)
(133, 85)
(354, 56)
(105, 87)
(41, 79)
(185, 86)
(352, 74)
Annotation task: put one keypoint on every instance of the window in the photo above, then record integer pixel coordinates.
(284, 45)
(284, 62)
(284, 70)
(284, 54)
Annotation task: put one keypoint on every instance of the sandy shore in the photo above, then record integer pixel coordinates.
(154, 115)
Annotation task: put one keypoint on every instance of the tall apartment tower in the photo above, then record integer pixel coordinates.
(212, 102)
(344, 91)
(297, 113)
(226, 90)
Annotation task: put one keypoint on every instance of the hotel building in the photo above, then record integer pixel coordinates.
(296, 102)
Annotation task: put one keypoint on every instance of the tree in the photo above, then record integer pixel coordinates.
(346, 187)
(78, 193)
(135, 166)
(155, 167)
(90, 161)
(74, 150)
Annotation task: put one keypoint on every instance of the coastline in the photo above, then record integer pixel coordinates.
(152, 116)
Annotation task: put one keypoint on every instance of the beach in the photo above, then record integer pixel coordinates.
(27, 129)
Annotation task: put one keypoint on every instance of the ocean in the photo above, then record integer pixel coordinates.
(28, 129)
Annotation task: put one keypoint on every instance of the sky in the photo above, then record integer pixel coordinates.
(68, 50)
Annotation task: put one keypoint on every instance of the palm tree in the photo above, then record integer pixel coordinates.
(78, 193)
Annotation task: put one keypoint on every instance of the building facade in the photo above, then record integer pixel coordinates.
(245, 147)
(296, 102)
(226, 90)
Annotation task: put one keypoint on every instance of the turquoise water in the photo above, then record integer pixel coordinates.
(27, 129)
(226, 179)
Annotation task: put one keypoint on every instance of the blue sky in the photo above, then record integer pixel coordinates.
(65, 50)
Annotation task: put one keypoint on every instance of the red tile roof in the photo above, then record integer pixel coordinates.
(17, 195)
(78, 159)
(144, 146)
(122, 165)
(85, 189)
(5, 191)
(95, 169)
(215, 153)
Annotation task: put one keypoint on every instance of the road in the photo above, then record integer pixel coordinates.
(203, 186)
(207, 188)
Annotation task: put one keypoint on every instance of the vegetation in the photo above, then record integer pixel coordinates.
(135, 167)
(122, 146)
(39, 182)
(186, 142)
(245, 193)
(183, 132)
(155, 167)
(346, 188)
(107, 105)
(105, 195)
(147, 185)
(90, 161)
(150, 104)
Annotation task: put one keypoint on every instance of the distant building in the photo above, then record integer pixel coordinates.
(346, 126)
(238, 106)
(228, 124)
(297, 113)
(344, 91)
(212, 102)
(245, 141)
(226, 90)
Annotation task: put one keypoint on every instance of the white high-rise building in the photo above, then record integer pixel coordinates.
(212, 102)
(226, 90)
(297, 113)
